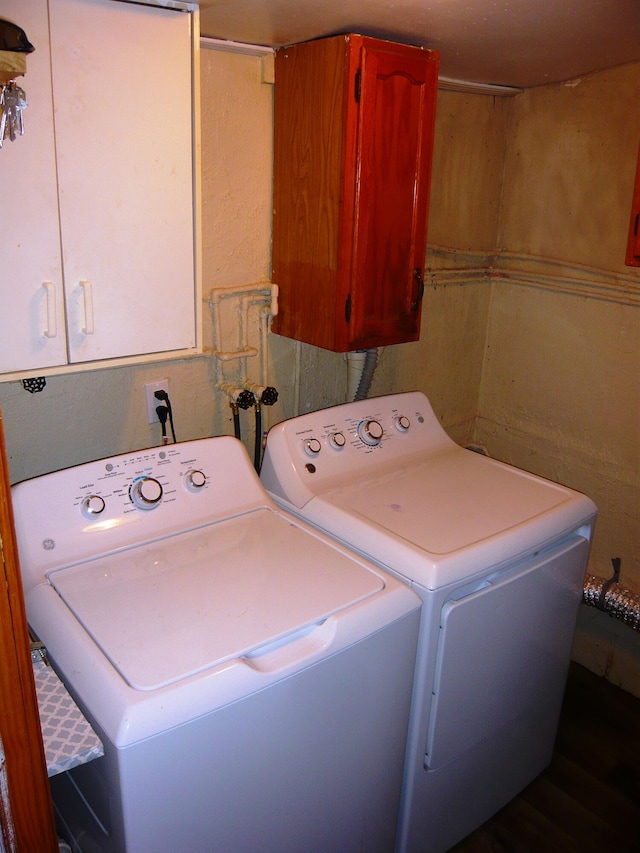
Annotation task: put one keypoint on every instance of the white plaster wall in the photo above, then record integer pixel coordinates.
(237, 155)
(559, 390)
(468, 166)
(569, 170)
(236, 173)
(86, 416)
(560, 398)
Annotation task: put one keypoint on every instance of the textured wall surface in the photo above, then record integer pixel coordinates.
(560, 393)
(446, 363)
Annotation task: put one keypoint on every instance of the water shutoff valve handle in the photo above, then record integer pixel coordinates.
(269, 396)
(245, 400)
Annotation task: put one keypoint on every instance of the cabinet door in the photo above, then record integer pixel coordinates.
(354, 119)
(310, 219)
(633, 241)
(393, 169)
(32, 323)
(122, 92)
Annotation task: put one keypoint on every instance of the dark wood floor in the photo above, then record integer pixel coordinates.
(589, 797)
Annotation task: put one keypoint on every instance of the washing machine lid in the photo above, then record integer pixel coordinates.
(172, 608)
(445, 517)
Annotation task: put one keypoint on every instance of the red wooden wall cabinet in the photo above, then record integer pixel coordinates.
(354, 120)
(633, 243)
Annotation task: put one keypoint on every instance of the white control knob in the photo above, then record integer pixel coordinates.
(312, 446)
(146, 493)
(337, 440)
(93, 505)
(370, 432)
(195, 480)
(402, 423)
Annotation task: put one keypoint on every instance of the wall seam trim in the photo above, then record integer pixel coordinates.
(453, 267)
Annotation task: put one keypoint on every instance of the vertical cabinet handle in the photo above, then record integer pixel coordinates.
(417, 274)
(52, 325)
(88, 307)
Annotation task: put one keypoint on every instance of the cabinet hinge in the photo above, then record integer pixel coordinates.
(356, 85)
(347, 309)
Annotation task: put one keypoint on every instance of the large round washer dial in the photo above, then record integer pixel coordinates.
(370, 432)
(146, 493)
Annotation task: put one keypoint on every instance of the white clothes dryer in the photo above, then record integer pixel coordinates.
(498, 557)
(250, 679)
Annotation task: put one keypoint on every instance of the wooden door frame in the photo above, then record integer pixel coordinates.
(29, 823)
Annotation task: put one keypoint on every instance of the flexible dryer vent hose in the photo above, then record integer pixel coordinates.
(618, 601)
(370, 363)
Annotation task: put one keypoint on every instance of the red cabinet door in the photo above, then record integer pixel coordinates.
(632, 258)
(354, 119)
(393, 172)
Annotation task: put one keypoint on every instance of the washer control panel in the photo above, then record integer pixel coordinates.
(91, 509)
(140, 482)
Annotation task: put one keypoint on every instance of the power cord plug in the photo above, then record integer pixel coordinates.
(163, 413)
(162, 395)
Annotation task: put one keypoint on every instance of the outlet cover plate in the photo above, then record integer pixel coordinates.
(152, 402)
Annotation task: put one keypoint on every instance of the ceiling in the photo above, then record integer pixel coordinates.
(519, 43)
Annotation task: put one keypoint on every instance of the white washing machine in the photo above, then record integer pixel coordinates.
(498, 557)
(250, 678)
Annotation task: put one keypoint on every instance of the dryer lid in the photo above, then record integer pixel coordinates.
(451, 501)
(439, 520)
(175, 607)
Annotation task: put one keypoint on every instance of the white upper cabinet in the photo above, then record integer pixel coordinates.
(98, 259)
(32, 320)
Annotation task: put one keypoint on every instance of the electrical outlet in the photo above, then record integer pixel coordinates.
(152, 401)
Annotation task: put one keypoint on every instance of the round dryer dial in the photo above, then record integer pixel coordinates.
(312, 446)
(337, 440)
(146, 493)
(370, 432)
(402, 423)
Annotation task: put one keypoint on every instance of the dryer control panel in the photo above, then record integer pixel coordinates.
(321, 450)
